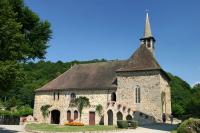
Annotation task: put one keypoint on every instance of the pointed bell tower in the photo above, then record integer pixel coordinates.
(148, 39)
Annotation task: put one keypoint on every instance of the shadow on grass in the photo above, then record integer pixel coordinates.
(160, 126)
(4, 130)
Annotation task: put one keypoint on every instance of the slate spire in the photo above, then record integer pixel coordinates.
(147, 30)
(148, 39)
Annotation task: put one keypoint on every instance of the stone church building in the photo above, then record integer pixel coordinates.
(136, 88)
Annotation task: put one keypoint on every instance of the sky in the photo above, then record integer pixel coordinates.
(111, 29)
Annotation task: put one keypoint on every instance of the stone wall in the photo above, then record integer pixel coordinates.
(150, 87)
(166, 90)
(151, 83)
(96, 96)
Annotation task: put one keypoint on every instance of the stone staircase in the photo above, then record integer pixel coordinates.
(118, 107)
(141, 117)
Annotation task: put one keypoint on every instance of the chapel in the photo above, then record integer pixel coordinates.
(136, 88)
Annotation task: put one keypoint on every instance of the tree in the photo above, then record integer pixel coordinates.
(10, 75)
(180, 93)
(193, 105)
(196, 89)
(2, 106)
(99, 109)
(45, 111)
(80, 103)
(23, 36)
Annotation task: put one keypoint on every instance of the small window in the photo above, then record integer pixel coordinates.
(58, 95)
(72, 96)
(113, 97)
(148, 44)
(54, 96)
(137, 94)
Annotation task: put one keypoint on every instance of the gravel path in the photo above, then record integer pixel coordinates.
(156, 128)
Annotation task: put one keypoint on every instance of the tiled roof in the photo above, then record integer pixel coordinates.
(102, 75)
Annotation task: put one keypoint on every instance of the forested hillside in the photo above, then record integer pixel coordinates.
(185, 99)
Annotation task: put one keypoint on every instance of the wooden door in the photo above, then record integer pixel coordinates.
(68, 115)
(91, 118)
(110, 117)
(75, 114)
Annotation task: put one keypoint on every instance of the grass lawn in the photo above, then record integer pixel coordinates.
(61, 128)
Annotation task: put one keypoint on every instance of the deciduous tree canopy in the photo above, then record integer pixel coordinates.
(23, 35)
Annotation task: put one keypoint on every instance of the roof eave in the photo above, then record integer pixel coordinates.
(101, 88)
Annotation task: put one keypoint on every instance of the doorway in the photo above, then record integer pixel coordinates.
(91, 118)
(110, 117)
(55, 117)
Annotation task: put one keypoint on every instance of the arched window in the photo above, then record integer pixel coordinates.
(75, 114)
(163, 99)
(113, 97)
(68, 115)
(129, 117)
(119, 116)
(137, 94)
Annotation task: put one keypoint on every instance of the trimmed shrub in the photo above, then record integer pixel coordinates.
(133, 124)
(189, 126)
(127, 124)
(122, 124)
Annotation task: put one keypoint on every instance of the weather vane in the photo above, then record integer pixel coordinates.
(146, 10)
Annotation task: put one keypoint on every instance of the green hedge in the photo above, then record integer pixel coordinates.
(189, 126)
(127, 123)
(122, 124)
(133, 124)
(22, 111)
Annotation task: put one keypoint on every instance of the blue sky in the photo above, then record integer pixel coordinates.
(110, 29)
